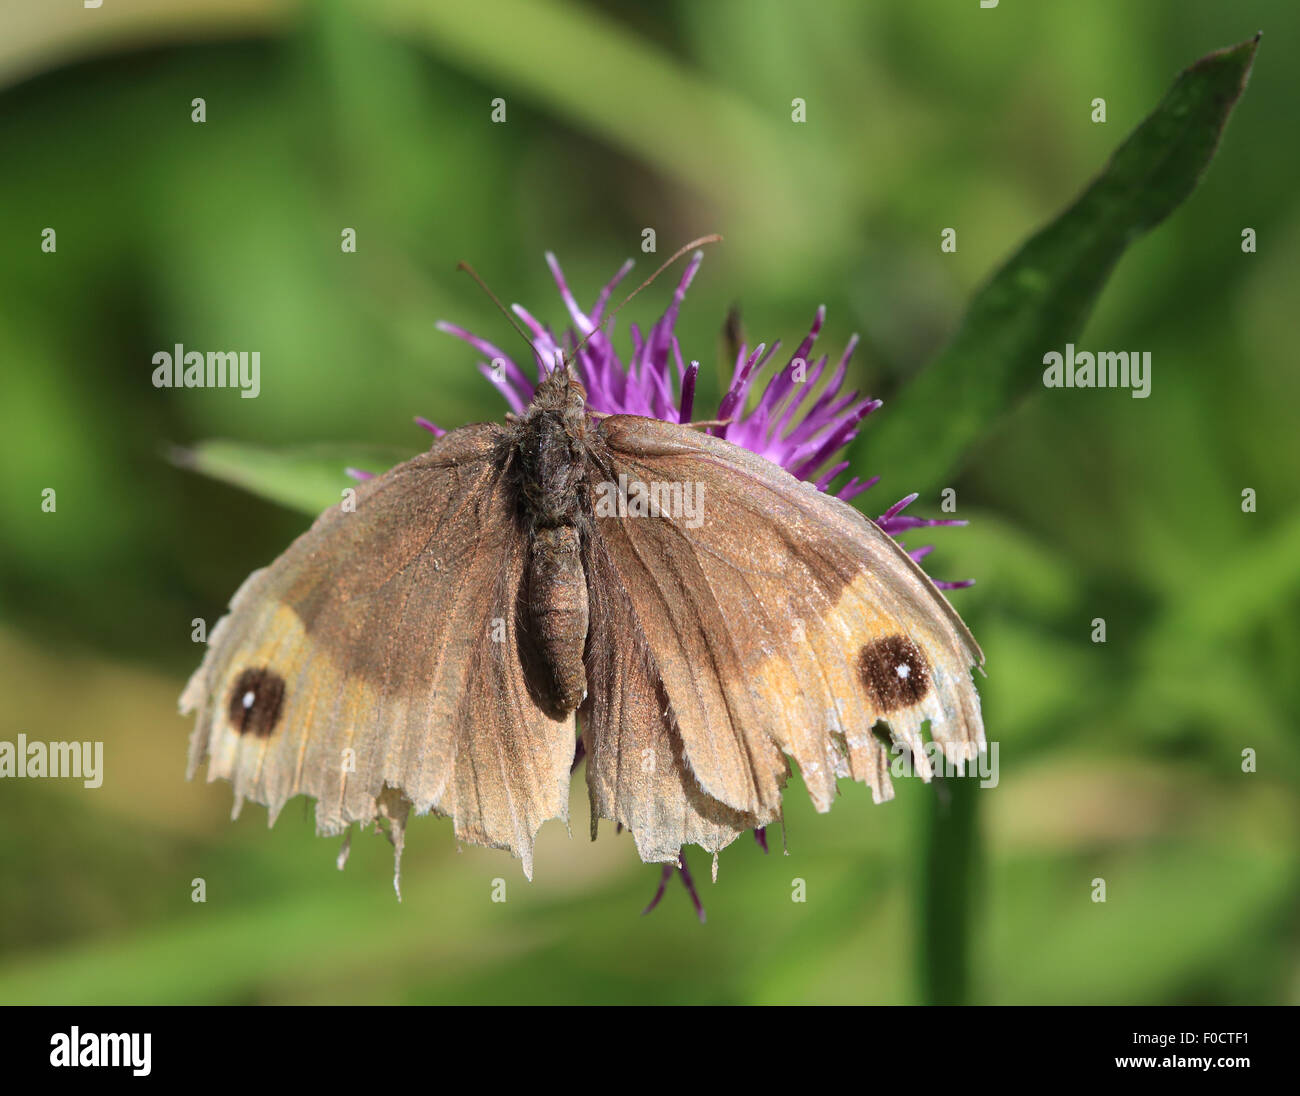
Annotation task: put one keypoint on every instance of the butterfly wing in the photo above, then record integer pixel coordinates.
(637, 773)
(780, 622)
(375, 665)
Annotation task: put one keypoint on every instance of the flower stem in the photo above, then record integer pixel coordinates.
(951, 865)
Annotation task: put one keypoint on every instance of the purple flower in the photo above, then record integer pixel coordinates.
(787, 425)
(804, 434)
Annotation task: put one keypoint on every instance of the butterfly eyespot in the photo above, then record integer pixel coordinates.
(894, 673)
(256, 702)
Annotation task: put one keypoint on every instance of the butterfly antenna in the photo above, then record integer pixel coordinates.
(462, 265)
(713, 239)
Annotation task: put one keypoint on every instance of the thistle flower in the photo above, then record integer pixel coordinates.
(786, 423)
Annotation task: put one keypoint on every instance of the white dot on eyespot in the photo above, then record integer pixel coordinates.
(250, 698)
(904, 670)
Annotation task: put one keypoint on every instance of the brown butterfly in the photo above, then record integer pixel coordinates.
(694, 612)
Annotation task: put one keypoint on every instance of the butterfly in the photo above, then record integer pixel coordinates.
(690, 613)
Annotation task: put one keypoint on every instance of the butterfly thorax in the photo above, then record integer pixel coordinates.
(550, 443)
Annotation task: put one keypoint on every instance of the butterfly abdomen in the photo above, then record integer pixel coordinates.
(557, 612)
(550, 447)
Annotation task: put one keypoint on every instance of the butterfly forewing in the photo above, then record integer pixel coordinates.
(380, 651)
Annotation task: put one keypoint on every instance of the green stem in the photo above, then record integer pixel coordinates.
(951, 853)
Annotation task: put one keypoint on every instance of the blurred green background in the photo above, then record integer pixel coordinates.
(1119, 760)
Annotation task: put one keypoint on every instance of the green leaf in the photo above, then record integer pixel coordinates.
(1043, 296)
(307, 479)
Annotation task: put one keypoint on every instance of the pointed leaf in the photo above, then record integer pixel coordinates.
(1043, 296)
